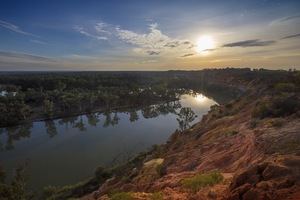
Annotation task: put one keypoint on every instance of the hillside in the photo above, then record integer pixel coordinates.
(248, 148)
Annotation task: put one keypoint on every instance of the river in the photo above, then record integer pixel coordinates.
(66, 151)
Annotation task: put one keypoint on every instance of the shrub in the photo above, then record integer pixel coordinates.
(156, 196)
(253, 124)
(102, 173)
(49, 190)
(260, 111)
(230, 132)
(276, 123)
(161, 169)
(276, 106)
(201, 180)
(122, 196)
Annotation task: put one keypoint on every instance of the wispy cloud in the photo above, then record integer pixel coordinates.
(288, 18)
(284, 19)
(187, 55)
(102, 27)
(250, 43)
(39, 42)
(15, 28)
(154, 42)
(291, 36)
(17, 55)
(86, 33)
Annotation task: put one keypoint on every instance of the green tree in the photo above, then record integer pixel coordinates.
(186, 116)
(48, 108)
(16, 189)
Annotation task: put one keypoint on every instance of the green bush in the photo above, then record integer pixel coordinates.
(49, 191)
(122, 196)
(102, 173)
(201, 180)
(230, 132)
(276, 106)
(260, 111)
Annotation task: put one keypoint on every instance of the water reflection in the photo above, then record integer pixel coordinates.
(133, 115)
(109, 138)
(80, 125)
(200, 97)
(93, 119)
(15, 133)
(111, 118)
(50, 128)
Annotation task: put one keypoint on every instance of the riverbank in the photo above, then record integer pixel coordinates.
(257, 158)
(39, 115)
(245, 149)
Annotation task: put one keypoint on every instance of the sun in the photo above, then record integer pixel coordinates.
(204, 44)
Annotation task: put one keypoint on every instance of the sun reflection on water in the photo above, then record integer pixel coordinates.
(200, 97)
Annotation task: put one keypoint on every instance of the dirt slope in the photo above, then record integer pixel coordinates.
(258, 158)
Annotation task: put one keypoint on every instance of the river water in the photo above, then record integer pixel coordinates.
(66, 151)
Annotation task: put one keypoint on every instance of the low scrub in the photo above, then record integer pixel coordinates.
(156, 196)
(276, 123)
(201, 180)
(230, 132)
(122, 196)
(276, 106)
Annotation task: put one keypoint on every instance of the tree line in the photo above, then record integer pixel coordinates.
(26, 97)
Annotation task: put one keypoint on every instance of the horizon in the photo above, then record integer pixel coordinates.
(148, 35)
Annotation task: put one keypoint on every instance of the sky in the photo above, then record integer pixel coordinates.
(148, 35)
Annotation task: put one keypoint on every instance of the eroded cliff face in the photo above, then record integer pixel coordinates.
(258, 157)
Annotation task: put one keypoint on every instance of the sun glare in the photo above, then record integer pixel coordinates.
(204, 44)
(200, 97)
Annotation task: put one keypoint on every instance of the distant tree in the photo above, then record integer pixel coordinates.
(48, 108)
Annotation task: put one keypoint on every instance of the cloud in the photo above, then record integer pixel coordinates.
(250, 43)
(284, 19)
(152, 53)
(288, 18)
(38, 42)
(291, 36)
(154, 42)
(15, 28)
(100, 28)
(12, 54)
(84, 32)
(187, 55)
(209, 49)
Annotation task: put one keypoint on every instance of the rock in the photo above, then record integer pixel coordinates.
(234, 196)
(255, 194)
(273, 171)
(286, 183)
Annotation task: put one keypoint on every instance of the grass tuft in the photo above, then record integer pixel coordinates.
(201, 180)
